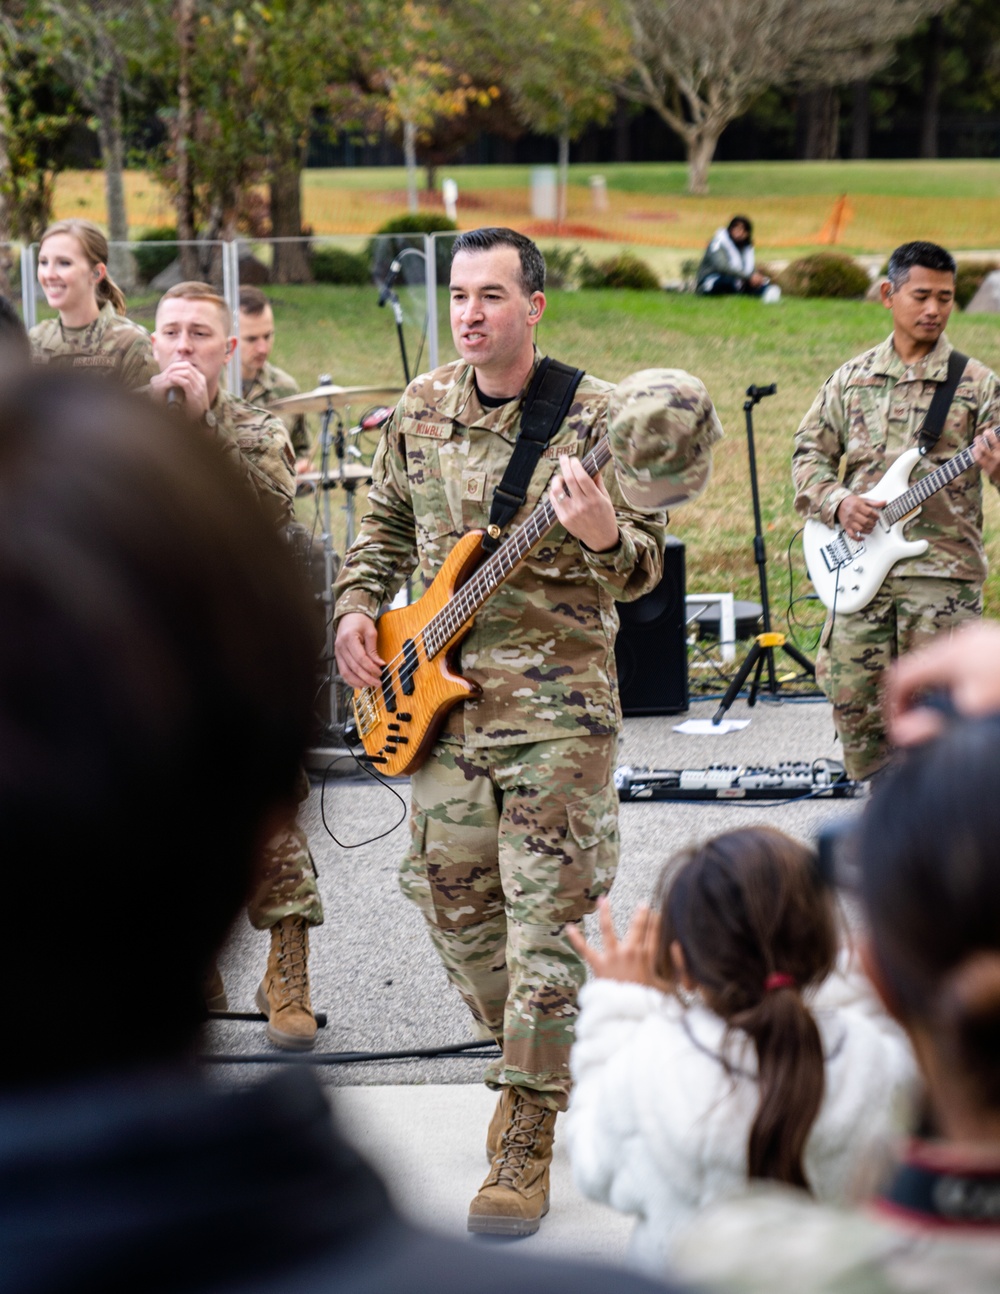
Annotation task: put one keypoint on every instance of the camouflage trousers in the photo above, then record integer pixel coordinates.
(856, 650)
(507, 845)
(286, 884)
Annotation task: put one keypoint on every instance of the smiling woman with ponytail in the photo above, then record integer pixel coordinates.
(717, 1045)
(90, 332)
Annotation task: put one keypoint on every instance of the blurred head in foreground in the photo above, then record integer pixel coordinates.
(156, 676)
(928, 848)
(15, 348)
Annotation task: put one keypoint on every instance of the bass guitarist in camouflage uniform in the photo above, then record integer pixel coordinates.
(192, 343)
(866, 415)
(514, 815)
(90, 332)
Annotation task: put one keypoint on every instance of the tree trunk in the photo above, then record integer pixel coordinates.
(701, 143)
(121, 262)
(831, 116)
(818, 124)
(563, 193)
(931, 96)
(185, 125)
(622, 133)
(291, 261)
(6, 258)
(861, 119)
(410, 154)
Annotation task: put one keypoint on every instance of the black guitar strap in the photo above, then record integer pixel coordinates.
(930, 432)
(545, 406)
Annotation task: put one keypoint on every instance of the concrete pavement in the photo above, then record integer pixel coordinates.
(423, 1122)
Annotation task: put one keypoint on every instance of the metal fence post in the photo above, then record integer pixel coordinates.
(430, 278)
(28, 285)
(231, 291)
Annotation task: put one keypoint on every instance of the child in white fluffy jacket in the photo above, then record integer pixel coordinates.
(718, 1044)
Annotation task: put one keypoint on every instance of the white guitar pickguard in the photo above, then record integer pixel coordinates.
(847, 572)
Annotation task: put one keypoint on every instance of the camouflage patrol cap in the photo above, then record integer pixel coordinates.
(662, 426)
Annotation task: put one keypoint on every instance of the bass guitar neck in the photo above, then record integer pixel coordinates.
(399, 720)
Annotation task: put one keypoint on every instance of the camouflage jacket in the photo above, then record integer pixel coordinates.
(773, 1240)
(867, 414)
(258, 445)
(273, 383)
(111, 346)
(542, 648)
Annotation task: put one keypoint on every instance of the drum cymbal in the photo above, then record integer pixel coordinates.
(346, 472)
(335, 397)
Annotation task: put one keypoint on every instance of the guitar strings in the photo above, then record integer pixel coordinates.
(372, 698)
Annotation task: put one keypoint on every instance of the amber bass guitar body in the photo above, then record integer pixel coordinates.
(397, 723)
(399, 720)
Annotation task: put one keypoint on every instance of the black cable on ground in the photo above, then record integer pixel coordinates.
(485, 1048)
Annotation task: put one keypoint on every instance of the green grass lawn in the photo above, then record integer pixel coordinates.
(748, 180)
(728, 343)
(737, 180)
(648, 209)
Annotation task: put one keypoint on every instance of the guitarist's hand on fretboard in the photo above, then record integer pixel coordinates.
(859, 516)
(583, 506)
(986, 452)
(357, 660)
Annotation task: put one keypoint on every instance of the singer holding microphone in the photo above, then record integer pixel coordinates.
(90, 332)
(192, 342)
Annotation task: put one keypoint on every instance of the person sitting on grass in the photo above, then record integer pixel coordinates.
(716, 1046)
(728, 265)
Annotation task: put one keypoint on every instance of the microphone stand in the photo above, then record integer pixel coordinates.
(397, 311)
(762, 651)
(386, 293)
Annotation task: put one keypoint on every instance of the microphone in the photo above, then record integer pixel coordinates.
(759, 392)
(175, 397)
(390, 279)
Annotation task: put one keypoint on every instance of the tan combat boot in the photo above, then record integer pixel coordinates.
(283, 995)
(213, 990)
(498, 1121)
(515, 1196)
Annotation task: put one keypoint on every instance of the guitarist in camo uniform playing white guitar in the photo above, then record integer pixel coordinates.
(869, 413)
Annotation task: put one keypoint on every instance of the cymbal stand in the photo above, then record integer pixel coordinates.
(762, 651)
(333, 717)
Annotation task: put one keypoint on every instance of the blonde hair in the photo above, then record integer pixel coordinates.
(194, 290)
(94, 246)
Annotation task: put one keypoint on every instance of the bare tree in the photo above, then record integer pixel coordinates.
(6, 260)
(700, 64)
(184, 17)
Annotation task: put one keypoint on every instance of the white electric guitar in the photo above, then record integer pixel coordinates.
(848, 572)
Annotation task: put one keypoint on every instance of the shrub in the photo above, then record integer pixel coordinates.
(381, 251)
(417, 222)
(689, 272)
(337, 265)
(621, 271)
(825, 274)
(563, 266)
(151, 261)
(969, 279)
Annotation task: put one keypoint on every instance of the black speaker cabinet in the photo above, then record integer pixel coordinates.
(651, 649)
